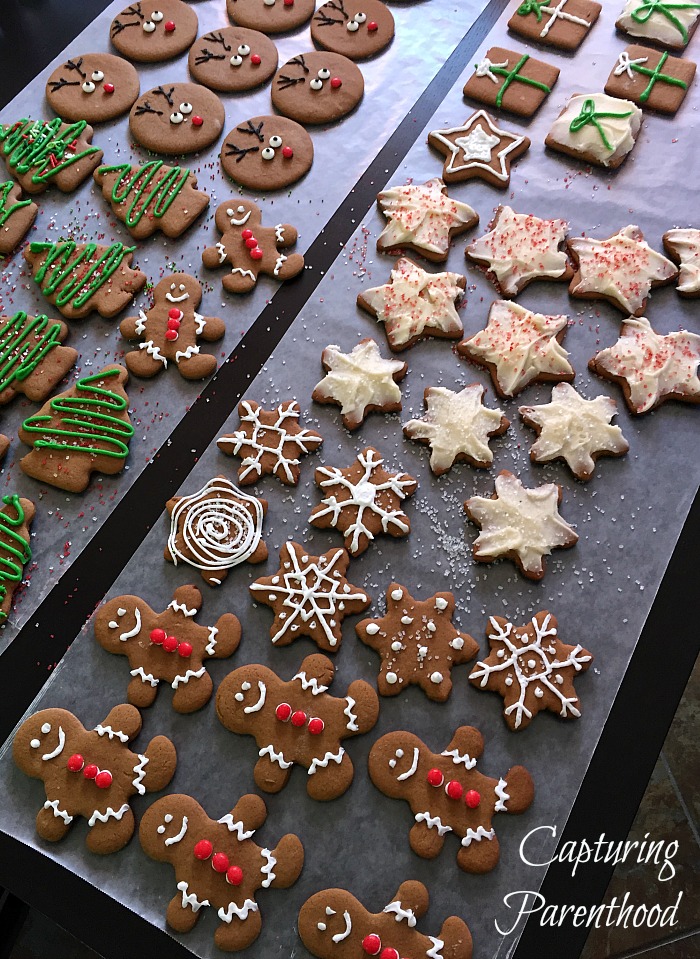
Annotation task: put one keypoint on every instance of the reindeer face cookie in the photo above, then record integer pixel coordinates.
(317, 87)
(91, 772)
(233, 59)
(298, 722)
(355, 28)
(95, 87)
(267, 153)
(177, 118)
(217, 864)
(153, 30)
(270, 16)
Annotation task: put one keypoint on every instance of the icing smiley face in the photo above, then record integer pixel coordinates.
(177, 118)
(233, 59)
(93, 87)
(355, 28)
(270, 16)
(317, 87)
(267, 153)
(153, 30)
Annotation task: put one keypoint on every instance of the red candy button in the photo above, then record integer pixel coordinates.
(234, 875)
(246, 234)
(257, 253)
(184, 649)
(203, 849)
(283, 712)
(75, 763)
(108, 88)
(435, 777)
(219, 862)
(169, 26)
(103, 780)
(287, 153)
(299, 718)
(256, 59)
(472, 798)
(389, 953)
(316, 726)
(174, 314)
(336, 82)
(372, 944)
(372, 26)
(197, 121)
(171, 335)
(173, 324)
(157, 636)
(90, 771)
(170, 644)
(453, 789)
(251, 242)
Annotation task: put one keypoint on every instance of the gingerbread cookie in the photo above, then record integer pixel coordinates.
(563, 24)
(363, 500)
(310, 596)
(417, 643)
(596, 128)
(356, 28)
(152, 197)
(360, 382)
(317, 87)
(511, 81)
(269, 442)
(16, 216)
(91, 773)
(16, 516)
(650, 78)
(81, 277)
(651, 368)
(447, 794)
(40, 154)
(668, 24)
(153, 30)
(422, 218)
(519, 523)
(621, 269)
(415, 304)
(270, 16)
(298, 722)
(233, 59)
(267, 153)
(215, 529)
(478, 148)
(33, 360)
(457, 427)
(683, 246)
(575, 430)
(85, 430)
(531, 668)
(251, 248)
(170, 329)
(177, 118)
(95, 87)
(219, 865)
(334, 925)
(4, 446)
(519, 347)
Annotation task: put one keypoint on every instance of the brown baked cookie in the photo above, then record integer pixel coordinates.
(446, 794)
(215, 529)
(177, 118)
(91, 772)
(152, 197)
(511, 81)
(5, 442)
(531, 668)
(270, 16)
(170, 330)
(83, 431)
(167, 646)
(218, 864)
(44, 153)
(16, 216)
(334, 925)
(478, 148)
(34, 362)
(153, 30)
(267, 153)
(650, 78)
(563, 24)
(251, 248)
(355, 28)
(668, 24)
(596, 128)
(78, 278)
(16, 516)
(417, 643)
(310, 596)
(233, 59)
(95, 87)
(317, 87)
(269, 442)
(683, 247)
(298, 722)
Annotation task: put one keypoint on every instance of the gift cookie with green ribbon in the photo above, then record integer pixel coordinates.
(596, 128)
(670, 23)
(511, 81)
(563, 24)
(650, 78)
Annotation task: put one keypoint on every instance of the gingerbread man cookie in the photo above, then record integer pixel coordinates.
(447, 794)
(166, 646)
(334, 925)
(267, 153)
(298, 722)
(95, 87)
(150, 31)
(33, 360)
(16, 516)
(16, 216)
(218, 864)
(91, 772)
(40, 154)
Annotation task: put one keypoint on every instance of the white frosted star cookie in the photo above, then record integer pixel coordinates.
(683, 246)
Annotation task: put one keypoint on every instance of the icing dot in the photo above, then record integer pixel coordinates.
(430, 626)
(399, 753)
(46, 728)
(407, 620)
(245, 687)
(538, 692)
(509, 680)
(121, 611)
(371, 629)
(440, 603)
(160, 830)
(239, 697)
(436, 678)
(35, 744)
(531, 663)
(397, 594)
(392, 763)
(112, 624)
(457, 643)
(396, 646)
(168, 817)
(559, 679)
(391, 678)
(321, 926)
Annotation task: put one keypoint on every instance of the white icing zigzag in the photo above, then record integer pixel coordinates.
(266, 870)
(186, 354)
(211, 645)
(336, 757)
(435, 951)
(152, 350)
(401, 913)
(237, 827)
(275, 757)
(108, 814)
(191, 673)
(457, 758)
(241, 912)
(140, 770)
(189, 899)
(352, 718)
(140, 323)
(503, 796)
(57, 811)
(480, 834)
(111, 733)
(145, 677)
(433, 822)
(181, 608)
(310, 683)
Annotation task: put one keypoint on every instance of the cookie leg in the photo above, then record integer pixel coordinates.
(191, 696)
(51, 827)
(239, 933)
(242, 282)
(112, 835)
(180, 918)
(142, 364)
(269, 776)
(198, 366)
(425, 842)
(456, 938)
(480, 856)
(140, 693)
(292, 265)
(330, 781)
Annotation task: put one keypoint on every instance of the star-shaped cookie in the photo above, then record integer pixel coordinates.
(310, 596)
(363, 500)
(457, 426)
(360, 382)
(478, 148)
(683, 246)
(621, 269)
(418, 643)
(518, 347)
(650, 367)
(415, 304)
(519, 523)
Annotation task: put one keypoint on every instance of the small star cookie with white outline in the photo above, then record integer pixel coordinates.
(683, 246)
(478, 148)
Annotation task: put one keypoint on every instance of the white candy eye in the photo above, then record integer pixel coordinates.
(244, 49)
(46, 728)
(236, 61)
(176, 117)
(268, 154)
(316, 84)
(88, 87)
(352, 27)
(97, 75)
(324, 73)
(360, 17)
(269, 3)
(156, 16)
(275, 141)
(148, 26)
(186, 108)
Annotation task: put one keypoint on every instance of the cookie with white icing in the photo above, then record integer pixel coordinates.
(267, 153)
(650, 78)
(683, 246)
(596, 128)
(150, 31)
(176, 118)
(563, 24)
(668, 24)
(511, 81)
(478, 148)
(232, 59)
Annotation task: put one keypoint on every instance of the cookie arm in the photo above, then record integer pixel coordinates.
(457, 938)
(426, 841)
(161, 762)
(414, 896)
(179, 917)
(366, 708)
(214, 328)
(127, 328)
(211, 257)
(289, 861)
(228, 636)
(479, 856)
(519, 789)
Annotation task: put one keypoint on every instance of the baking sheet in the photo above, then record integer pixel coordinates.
(628, 518)
(426, 34)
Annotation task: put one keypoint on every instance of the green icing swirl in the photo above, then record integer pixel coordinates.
(147, 188)
(64, 271)
(41, 147)
(16, 360)
(7, 209)
(15, 554)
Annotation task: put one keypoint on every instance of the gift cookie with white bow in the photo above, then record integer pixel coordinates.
(511, 81)
(651, 78)
(563, 24)
(176, 118)
(153, 30)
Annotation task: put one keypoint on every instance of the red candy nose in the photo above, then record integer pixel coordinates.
(75, 763)
(299, 718)
(316, 726)
(169, 26)
(197, 121)
(184, 649)
(90, 771)
(336, 82)
(435, 777)
(287, 153)
(256, 59)
(372, 26)
(453, 789)
(103, 780)
(108, 88)
(472, 798)
(371, 944)
(219, 862)
(234, 875)
(283, 712)
(203, 849)
(170, 644)
(157, 636)
(289, 3)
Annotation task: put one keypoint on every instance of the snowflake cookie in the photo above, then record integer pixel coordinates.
(363, 500)
(563, 24)
(360, 382)
(417, 643)
(667, 22)
(447, 794)
(457, 427)
(683, 246)
(269, 442)
(531, 668)
(478, 148)
(511, 81)
(596, 128)
(298, 722)
(218, 864)
(519, 523)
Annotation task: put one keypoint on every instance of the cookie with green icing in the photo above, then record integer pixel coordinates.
(16, 516)
(32, 360)
(650, 78)
(40, 153)
(16, 216)
(563, 24)
(511, 81)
